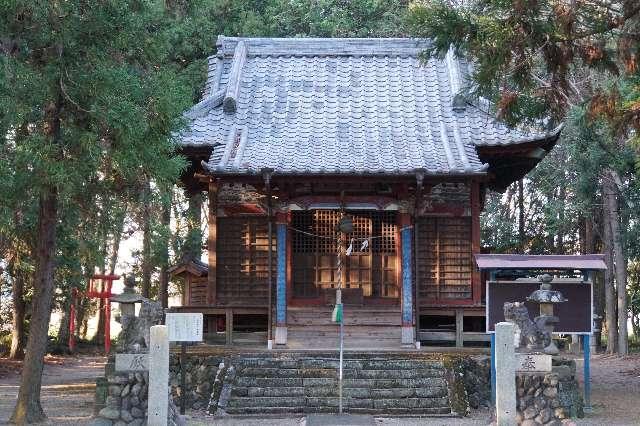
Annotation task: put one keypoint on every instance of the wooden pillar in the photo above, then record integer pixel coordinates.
(281, 279)
(229, 326)
(212, 242)
(416, 242)
(193, 249)
(406, 237)
(476, 283)
(459, 328)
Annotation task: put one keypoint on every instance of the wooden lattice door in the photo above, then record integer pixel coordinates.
(243, 250)
(373, 269)
(444, 259)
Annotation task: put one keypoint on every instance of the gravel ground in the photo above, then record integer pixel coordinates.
(68, 387)
(615, 385)
(69, 382)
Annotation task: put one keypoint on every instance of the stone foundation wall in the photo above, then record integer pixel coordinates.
(551, 398)
(199, 377)
(477, 380)
(125, 399)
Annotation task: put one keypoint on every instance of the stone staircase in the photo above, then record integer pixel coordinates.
(306, 382)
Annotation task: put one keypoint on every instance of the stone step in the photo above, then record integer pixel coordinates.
(268, 401)
(368, 393)
(379, 404)
(348, 372)
(333, 363)
(332, 391)
(265, 410)
(437, 411)
(294, 383)
(238, 391)
(264, 382)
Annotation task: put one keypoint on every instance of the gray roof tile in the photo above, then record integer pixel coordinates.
(364, 106)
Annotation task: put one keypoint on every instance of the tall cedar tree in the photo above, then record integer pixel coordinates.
(538, 60)
(88, 79)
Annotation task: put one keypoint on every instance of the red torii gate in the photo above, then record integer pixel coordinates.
(103, 292)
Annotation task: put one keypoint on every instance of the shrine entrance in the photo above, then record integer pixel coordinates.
(370, 272)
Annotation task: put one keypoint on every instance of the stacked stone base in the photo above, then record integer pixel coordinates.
(125, 400)
(549, 399)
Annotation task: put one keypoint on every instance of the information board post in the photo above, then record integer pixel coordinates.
(183, 380)
(586, 349)
(492, 277)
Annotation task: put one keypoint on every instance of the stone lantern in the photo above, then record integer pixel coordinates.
(128, 298)
(546, 298)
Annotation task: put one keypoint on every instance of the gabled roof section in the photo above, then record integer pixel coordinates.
(189, 266)
(340, 106)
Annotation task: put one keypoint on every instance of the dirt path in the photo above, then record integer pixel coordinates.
(69, 384)
(68, 387)
(615, 384)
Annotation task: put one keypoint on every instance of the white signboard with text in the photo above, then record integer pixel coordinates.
(184, 327)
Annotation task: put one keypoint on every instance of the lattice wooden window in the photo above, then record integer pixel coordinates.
(243, 260)
(315, 261)
(444, 258)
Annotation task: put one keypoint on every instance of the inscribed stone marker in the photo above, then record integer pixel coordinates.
(505, 375)
(158, 376)
(533, 363)
(132, 362)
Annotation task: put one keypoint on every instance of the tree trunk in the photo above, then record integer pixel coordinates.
(117, 238)
(561, 218)
(619, 259)
(146, 241)
(17, 325)
(28, 408)
(193, 249)
(63, 331)
(610, 298)
(521, 241)
(588, 247)
(164, 275)
(98, 338)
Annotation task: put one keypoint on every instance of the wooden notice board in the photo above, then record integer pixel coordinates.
(575, 315)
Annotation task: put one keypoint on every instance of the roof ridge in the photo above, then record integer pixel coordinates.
(312, 46)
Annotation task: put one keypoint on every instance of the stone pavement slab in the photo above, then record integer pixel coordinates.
(339, 420)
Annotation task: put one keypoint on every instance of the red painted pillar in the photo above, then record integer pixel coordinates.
(107, 315)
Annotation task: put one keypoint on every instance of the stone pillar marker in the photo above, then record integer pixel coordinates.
(505, 374)
(158, 376)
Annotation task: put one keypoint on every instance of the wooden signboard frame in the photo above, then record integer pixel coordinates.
(567, 312)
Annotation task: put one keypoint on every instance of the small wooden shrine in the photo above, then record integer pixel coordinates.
(292, 135)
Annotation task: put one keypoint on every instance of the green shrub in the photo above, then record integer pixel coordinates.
(5, 343)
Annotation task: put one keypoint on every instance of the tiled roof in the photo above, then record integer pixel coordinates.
(336, 106)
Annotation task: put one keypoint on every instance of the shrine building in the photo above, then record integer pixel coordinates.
(294, 134)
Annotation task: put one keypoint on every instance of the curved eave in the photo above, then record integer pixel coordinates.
(510, 163)
(408, 174)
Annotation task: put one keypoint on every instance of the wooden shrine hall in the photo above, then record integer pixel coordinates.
(292, 135)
